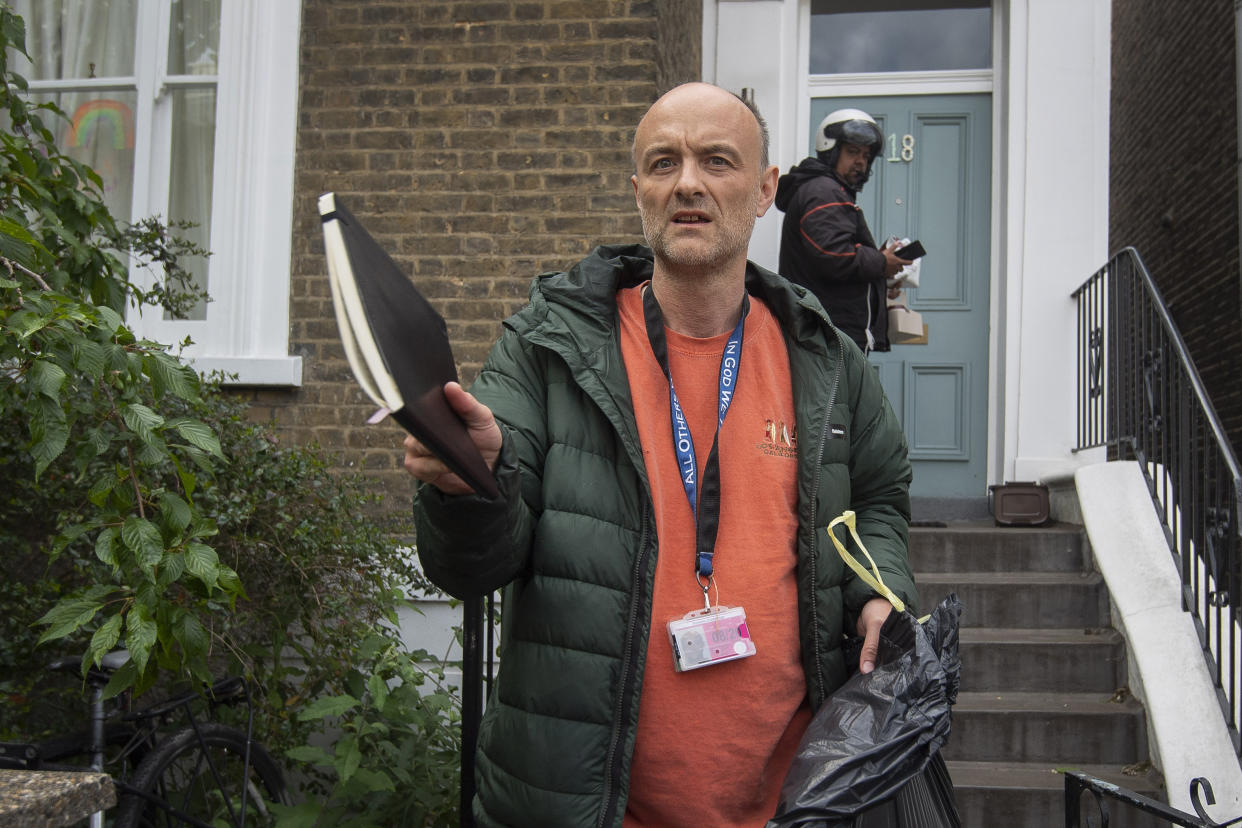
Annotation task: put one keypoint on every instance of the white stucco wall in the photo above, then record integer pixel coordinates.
(1050, 196)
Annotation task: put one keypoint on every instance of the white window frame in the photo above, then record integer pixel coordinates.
(246, 332)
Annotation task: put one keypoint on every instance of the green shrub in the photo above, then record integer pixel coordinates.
(141, 508)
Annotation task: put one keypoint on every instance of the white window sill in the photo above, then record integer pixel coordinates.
(267, 371)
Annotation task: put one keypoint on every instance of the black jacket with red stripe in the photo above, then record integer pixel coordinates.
(827, 248)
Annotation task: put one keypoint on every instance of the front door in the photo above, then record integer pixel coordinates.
(932, 182)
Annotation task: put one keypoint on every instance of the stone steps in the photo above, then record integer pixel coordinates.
(987, 548)
(1033, 600)
(1042, 660)
(1057, 728)
(1043, 672)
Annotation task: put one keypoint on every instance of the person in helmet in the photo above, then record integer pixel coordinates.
(826, 245)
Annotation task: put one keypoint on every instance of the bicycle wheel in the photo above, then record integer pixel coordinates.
(186, 780)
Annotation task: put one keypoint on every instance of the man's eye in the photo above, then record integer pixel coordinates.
(662, 164)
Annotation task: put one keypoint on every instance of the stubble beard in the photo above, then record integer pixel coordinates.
(732, 235)
(856, 179)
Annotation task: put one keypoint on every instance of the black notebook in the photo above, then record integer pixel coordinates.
(396, 343)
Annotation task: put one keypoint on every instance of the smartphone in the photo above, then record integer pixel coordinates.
(911, 251)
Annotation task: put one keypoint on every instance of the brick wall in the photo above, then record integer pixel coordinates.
(481, 142)
(1173, 179)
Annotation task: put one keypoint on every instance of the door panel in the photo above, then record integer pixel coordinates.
(932, 182)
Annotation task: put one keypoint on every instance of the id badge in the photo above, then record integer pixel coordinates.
(709, 636)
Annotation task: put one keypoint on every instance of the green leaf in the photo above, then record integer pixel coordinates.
(373, 781)
(171, 376)
(201, 436)
(25, 323)
(304, 815)
(109, 319)
(203, 563)
(50, 432)
(104, 639)
(379, 691)
(18, 244)
(327, 707)
(105, 546)
(348, 757)
(176, 512)
(309, 754)
(143, 539)
(100, 490)
(47, 378)
(192, 636)
(172, 568)
(141, 420)
(99, 441)
(90, 358)
(67, 617)
(141, 633)
(122, 679)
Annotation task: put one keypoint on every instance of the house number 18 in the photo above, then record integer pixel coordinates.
(907, 148)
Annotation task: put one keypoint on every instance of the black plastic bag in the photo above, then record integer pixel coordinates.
(871, 754)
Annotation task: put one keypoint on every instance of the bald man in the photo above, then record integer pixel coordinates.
(671, 428)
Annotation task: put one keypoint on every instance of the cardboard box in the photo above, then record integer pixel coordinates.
(904, 325)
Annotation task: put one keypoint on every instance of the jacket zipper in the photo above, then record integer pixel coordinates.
(612, 765)
(819, 463)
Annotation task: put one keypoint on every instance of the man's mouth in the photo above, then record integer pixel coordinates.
(690, 218)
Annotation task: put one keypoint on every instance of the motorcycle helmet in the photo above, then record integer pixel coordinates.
(851, 126)
(848, 126)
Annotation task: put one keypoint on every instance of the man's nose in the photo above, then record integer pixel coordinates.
(690, 180)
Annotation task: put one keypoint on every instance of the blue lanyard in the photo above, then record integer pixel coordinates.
(704, 505)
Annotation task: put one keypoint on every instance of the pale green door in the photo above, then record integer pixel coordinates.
(933, 183)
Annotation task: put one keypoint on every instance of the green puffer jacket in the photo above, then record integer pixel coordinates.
(572, 539)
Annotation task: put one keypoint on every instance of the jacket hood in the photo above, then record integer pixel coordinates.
(799, 174)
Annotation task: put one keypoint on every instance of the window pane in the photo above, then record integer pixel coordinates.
(100, 134)
(69, 39)
(194, 39)
(901, 40)
(193, 153)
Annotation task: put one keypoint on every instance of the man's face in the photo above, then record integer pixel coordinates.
(699, 184)
(852, 164)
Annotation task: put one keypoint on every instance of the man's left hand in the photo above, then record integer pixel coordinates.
(872, 617)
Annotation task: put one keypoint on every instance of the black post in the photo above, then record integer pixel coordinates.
(471, 699)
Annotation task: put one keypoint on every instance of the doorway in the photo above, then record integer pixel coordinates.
(932, 182)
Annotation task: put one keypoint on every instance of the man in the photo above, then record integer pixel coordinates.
(620, 375)
(826, 245)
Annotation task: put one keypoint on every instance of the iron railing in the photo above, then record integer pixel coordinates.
(1106, 797)
(478, 630)
(1140, 395)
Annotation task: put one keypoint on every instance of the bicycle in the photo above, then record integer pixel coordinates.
(202, 773)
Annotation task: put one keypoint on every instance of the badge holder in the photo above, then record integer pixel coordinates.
(712, 635)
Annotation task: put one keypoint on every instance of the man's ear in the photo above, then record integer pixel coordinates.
(767, 189)
(634, 182)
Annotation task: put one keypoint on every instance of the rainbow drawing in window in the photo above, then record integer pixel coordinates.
(107, 121)
(101, 135)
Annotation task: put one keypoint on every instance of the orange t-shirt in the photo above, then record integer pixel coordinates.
(714, 744)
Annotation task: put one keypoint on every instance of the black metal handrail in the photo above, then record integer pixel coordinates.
(1104, 794)
(1140, 395)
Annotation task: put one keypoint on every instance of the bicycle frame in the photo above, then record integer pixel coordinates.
(141, 729)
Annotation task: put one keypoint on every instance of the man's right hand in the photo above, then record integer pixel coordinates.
(422, 464)
(892, 264)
